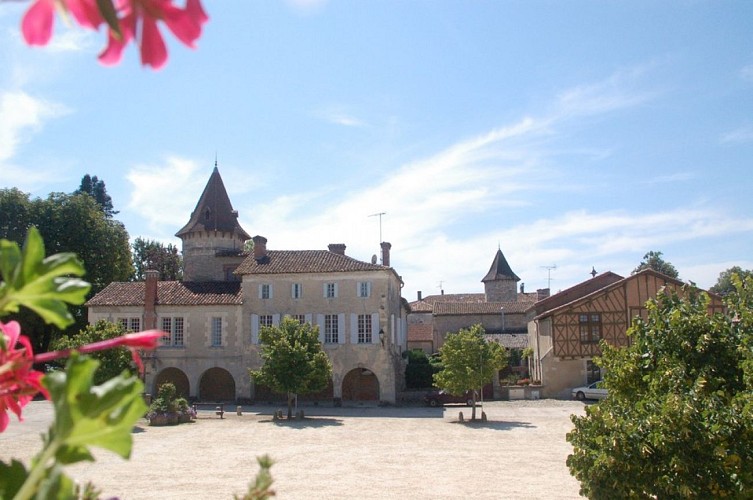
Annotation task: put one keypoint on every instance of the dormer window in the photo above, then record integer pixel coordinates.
(207, 214)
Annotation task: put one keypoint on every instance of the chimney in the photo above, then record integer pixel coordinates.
(260, 248)
(386, 253)
(338, 248)
(150, 299)
(419, 295)
(542, 293)
(522, 288)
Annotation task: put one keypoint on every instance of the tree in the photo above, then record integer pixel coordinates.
(150, 254)
(678, 421)
(470, 362)
(112, 361)
(294, 362)
(68, 223)
(724, 284)
(96, 189)
(653, 260)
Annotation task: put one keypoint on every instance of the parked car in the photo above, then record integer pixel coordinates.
(441, 398)
(591, 391)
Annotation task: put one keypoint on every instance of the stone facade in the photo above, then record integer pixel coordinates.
(213, 317)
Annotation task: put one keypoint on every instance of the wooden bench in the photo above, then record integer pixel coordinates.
(219, 408)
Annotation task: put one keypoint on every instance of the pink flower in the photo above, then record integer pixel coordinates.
(142, 340)
(19, 383)
(138, 21)
(37, 22)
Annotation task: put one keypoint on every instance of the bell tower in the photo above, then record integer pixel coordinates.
(500, 283)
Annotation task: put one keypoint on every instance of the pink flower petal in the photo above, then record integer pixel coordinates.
(36, 24)
(86, 13)
(153, 50)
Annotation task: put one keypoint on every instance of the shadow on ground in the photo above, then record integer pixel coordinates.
(308, 422)
(498, 426)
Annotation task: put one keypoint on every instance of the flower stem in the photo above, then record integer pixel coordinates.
(38, 471)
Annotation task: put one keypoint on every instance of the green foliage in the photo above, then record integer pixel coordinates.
(294, 362)
(167, 400)
(725, 283)
(86, 415)
(112, 361)
(153, 255)
(419, 372)
(38, 283)
(678, 422)
(470, 362)
(96, 189)
(68, 223)
(260, 488)
(654, 260)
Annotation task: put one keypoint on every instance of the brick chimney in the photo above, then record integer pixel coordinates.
(260, 248)
(150, 299)
(419, 295)
(386, 253)
(542, 293)
(338, 248)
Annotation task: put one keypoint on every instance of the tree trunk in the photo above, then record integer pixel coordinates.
(290, 405)
(473, 411)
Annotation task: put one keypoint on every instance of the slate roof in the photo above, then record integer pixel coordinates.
(500, 269)
(304, 261)
(214, 212)
(176, 293)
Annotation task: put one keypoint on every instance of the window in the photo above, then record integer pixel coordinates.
(132, 324)
(174, 327)
(364, 289)
(265, 320)
(301, 318)
(331, 329)
(123, 322)
(330, 290)
(297, 291)
(590, 327)
(216, 332)
(364, 329)
(265, 291)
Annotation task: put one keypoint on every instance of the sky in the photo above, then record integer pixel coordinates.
(571, 135)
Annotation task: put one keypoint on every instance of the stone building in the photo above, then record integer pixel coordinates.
(213, 316)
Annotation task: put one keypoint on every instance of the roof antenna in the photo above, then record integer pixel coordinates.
(215, 158)
(549, 274)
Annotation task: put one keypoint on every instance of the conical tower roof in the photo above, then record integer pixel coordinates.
(214, 212)
(500, 269)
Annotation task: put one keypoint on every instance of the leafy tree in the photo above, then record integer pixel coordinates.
(653, 260)
(470, 362)
(724, 284)
(678, 422)
(96, 189)
(151, 254)
(294, 361)
(112, 361)
(68, 223)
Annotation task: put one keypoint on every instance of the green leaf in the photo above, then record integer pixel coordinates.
(11, 478)
(88, 415)
(55, 485)
(43, 285)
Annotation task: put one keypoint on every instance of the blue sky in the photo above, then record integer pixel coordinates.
(574, 134)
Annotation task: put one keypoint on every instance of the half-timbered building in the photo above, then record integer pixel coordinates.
(565, 329)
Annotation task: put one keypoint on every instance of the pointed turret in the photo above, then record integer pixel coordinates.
(500, 283)
(212, 239)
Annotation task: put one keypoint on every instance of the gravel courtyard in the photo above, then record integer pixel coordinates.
(358, 452)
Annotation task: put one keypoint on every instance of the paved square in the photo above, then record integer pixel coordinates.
(336, 453)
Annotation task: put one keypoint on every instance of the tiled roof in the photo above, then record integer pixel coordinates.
(304, 261)
(418, 332)
(177, 293)
(460, 308)
(421, 306)
(509, 340)
(577, 291)
(452, 297)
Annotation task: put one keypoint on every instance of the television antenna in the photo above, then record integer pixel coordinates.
(549, 270)
(379, 214)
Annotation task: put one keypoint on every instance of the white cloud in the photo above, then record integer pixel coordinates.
(72, 40)
(306, 6)
(740, 135)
